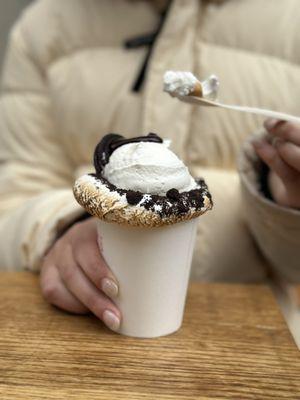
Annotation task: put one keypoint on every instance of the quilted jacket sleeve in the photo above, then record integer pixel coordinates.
(276, 229)
(36, 200)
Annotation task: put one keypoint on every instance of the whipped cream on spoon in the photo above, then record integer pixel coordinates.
(179, 83)
(187, 88)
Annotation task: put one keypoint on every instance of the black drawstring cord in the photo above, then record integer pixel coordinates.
(146, 40)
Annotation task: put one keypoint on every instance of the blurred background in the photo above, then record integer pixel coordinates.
(9, 12)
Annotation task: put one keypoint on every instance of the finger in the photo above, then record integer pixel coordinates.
(89, 258)
(84, 290)
(271, 157)
(55, 292)
(84, 231)
(287, 131)
(281, 193)
(270, 123)
(290, 153)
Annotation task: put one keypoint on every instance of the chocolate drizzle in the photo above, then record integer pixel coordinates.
(110, 142)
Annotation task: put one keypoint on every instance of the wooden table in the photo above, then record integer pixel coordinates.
(233, 344)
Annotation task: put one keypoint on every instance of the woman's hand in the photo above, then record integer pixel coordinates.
(75, 277)
(282, 156)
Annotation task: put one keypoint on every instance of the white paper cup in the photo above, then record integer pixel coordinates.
(152, 266)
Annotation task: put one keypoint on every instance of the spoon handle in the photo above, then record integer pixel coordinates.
(251, 110)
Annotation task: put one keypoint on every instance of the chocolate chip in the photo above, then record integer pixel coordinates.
(133, 197)
(173, 194)
(194, 194)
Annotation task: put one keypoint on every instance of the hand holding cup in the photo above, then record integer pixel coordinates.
(75, 277)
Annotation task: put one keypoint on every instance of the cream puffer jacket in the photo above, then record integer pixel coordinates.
(67, 81)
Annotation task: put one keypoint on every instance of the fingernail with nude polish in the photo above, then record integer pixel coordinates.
(109, 287)
(111, 320)
(270, 123)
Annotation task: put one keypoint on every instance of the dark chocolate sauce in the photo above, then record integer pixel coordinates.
(110, 142)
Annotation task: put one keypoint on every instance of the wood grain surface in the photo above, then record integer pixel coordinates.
(233, 344)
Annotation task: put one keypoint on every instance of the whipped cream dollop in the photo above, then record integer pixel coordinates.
(210, 87)
(149, 168)
(180, 83)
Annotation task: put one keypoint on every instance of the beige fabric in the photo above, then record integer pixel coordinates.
(225, 249)
(67, 81)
